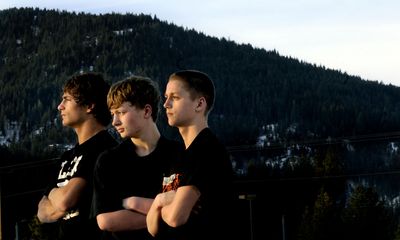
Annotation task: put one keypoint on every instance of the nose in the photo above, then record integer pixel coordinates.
(115, 120)
(60, 106)
(167, 103)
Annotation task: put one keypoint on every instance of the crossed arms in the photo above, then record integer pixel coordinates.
(132, 217)
(60, 200)
(173, 207)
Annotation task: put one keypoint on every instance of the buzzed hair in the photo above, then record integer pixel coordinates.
(198, 84)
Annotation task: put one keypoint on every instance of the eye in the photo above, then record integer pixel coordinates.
(65, 99)
(122, 112)
(173, 96)
(116, 113)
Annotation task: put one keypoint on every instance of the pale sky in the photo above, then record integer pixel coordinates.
(359, 37)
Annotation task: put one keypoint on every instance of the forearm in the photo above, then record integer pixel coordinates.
(47, 213)
(54, 194)
(138, 204)
(153, 219)
(67, 197)
(57, 198)
(154, 216)
(172, 216)
(122, 220)
(178, 211)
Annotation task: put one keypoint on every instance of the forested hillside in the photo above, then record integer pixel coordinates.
(40, 48)
(315, 131)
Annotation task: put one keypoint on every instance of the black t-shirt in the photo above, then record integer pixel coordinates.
(121, 173)
(206, 165)
(79, 162)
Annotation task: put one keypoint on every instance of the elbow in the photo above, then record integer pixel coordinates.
(175, 221)
(41, 214)
(42, 218)
(173, 217)
(152, 231)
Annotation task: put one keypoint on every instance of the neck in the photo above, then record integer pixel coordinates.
(147, 141)
(88, 130)
(189, 133)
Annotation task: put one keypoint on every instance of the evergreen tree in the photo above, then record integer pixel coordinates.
(365, 216)
(320, 221)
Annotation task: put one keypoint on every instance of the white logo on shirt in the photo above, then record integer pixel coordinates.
(70, 171)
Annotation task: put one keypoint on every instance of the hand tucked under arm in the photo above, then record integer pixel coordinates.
(166, 198)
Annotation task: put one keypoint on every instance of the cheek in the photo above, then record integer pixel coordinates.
(185, 112)
(189, 108)
(131, 120)
(126, 120)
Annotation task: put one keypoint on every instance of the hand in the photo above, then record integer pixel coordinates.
(130, 203)
(165, 198)
(138, 204)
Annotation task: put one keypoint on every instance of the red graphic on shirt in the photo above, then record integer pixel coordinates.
(172, 182)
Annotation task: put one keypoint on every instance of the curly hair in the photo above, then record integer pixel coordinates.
(88, 89)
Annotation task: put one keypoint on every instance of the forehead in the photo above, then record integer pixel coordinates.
(67, 95)
(174, 85)
(124, 105)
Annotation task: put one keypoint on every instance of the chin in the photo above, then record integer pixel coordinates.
(122, 135)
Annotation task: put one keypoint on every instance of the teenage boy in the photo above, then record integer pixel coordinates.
(197, 197)
(127, 177)
(67, 200)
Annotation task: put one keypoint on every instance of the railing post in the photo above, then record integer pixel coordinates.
(250, 198)
(16, 231)
(283, 227)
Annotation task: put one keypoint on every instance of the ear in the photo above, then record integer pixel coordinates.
(147, 111)
(90, 108)
(201, 104)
